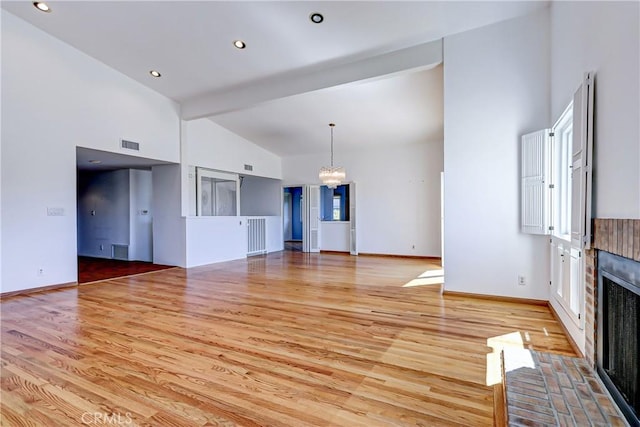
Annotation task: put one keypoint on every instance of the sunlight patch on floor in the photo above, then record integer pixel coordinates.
(499, 343)
(518, 358)
(429, 277)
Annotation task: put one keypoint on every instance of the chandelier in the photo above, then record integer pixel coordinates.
(332, 176)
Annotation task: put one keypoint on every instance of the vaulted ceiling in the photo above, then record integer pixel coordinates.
(370, 66)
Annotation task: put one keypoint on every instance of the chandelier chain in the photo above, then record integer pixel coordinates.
(331, 145)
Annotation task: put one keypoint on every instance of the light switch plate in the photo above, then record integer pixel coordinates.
(55, 211)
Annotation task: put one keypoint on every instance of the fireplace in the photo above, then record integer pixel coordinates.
(618, 331)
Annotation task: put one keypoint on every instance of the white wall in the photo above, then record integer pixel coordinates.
(398, 194)
(53, 99)
(1, 193)
(212, 239)
(603, 37)
(204, 235)
(209, 145)
(496, 88)
(140, 215)
(260, 196)
(274, 234)
(335, 236)
(103, 212)
(169, 229)
(215, 239)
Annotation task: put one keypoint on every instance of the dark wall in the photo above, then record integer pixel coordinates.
(296, 214)
(326, 202)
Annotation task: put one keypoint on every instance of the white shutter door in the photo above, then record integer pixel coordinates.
(304, 212)
(556, 267)
(535, 169)
(577, 205)
(581, 173)
(313, 200)
(575, 283)
(353, 246)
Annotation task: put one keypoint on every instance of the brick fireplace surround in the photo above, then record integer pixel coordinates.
(619, 237)
(549, 389)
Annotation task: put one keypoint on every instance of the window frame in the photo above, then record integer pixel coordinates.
(561, 165)
(216, 177)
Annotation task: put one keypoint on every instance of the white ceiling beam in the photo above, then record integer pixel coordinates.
(301, 81)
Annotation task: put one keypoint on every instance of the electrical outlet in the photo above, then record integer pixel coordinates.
(40, 271)
(521, 280)
(102, 247)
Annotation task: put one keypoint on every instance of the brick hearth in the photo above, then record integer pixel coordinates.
(552, 390)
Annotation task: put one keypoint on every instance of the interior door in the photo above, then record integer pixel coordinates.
(353, 241)
(311, 218)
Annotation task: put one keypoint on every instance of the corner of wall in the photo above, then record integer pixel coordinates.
(496, 88)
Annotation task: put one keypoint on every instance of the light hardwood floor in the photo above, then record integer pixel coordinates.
(289, 339)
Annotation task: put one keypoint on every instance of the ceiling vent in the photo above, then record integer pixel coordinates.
(248, 167)
(129, 145)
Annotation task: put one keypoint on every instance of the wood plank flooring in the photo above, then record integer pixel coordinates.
(289, 339)
(95, 269)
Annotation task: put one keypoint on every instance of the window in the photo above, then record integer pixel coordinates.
(561, 174)
(565, 260)
(334, 203)
(336, 208)
(217, 193)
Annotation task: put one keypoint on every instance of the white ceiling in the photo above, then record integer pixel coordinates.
(190, 43)
(85, 158)
(402, 109)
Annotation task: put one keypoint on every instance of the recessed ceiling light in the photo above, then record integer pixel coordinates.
(42, 6)
(155, 73)
(316, 18)
(95, 162)
(239, 44)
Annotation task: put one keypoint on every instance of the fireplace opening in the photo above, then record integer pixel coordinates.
(618, 332)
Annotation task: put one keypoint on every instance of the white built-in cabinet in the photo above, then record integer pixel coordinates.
(556, 174)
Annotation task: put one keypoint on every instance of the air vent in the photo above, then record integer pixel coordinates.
(120, 252)
(248, 167)
(130, 145)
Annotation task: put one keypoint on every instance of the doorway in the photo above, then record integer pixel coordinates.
(304, 212)
(292, 211)
(114, 215)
